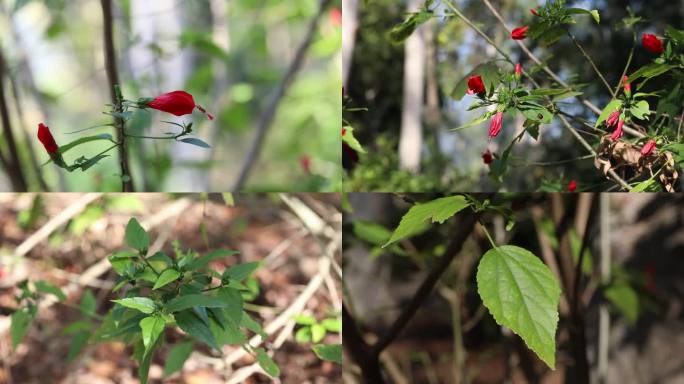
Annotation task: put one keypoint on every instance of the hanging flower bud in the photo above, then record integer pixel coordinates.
(178, 103)
(475, 86)
(572, 186)
(495, 125)
(534, 11)
(652, 43)
(518, 71)
(46, 138)
(648, 148)
(617, 133)
(519, 33)
(487, 157)
(627, 86)
(613, 119)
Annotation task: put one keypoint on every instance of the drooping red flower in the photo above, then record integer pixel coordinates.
(495, 125)
(518, 71)
(178, 103)
(534, 11)
(613, 119)
(487, 157)
(652, 43)
(648, 148)
(46, 138)
(572, 186)
(519, 33)
(475, 85)
(617, 133)
(627, 86)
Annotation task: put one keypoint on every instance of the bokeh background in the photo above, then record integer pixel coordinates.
(230, 54)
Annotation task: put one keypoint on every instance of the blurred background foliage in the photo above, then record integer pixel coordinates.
(452, 160)
(230, 54)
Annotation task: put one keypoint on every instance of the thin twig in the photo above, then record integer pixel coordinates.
(268, 115)
(591, 62)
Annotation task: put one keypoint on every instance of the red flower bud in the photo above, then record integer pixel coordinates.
(648, 148)
(46, 138)
(652, 43)
(336, 17)
(495, 125)
(617, 133)
(572, 186)
(487, 157)
(305, 163)
(178, 103)
(534, 11)
(613, 119)
(518, 71)
(627, 86)
(344, 131)
(519, 33)
(475, 85)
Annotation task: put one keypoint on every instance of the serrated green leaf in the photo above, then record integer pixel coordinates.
(522, 294)
(189, 322)
(640, 109)
(203, 261)
(142, 304)
(195, 300)
(152, 327)
(20, 322)
(438, 210)
(45, 287)
(166, 277)
(241, 271)
(329, 352)
(267, 363)
(611, 107)
(177, 357)
(249, 323)
(136, 237)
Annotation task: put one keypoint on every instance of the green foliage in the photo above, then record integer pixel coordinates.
(177, 357)
(311, 331)
(348, 137)
(438, 211)
(142, 304)
(166, 277)
(623, 297)
(611, 107)
(401, 32)
(45, 287)
(136, 237)
(489, 72)
(20, 321)
(522, 294)
(329, 352)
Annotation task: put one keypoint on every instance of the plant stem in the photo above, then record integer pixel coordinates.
(115, 93)
(12, 163)
(148, 264)
(624, 71)
(593, 65)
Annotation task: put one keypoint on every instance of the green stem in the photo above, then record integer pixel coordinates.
(624, 71)
(148, 264)
(489, 237)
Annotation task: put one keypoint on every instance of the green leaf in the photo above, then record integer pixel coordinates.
(45, 287)
(329, 352)
(625, 299)
(267, 363)
(78, 341)
(177, 357)
(195, 300)
(233, 303)
(332, 325)
(613, 106)
(152, 327)
(522, 294)
(650, 185)
(566, 95)
(203, 261)
(241, 271)
(88, 303)
(594, 13)
(136, 237)
(20, 322)
(650, 70)
(142, 304)
(317, 333)
(541, 115)
(249, 323)
(166, 277)
(401, 32)
(303, 335)
(438, 210)
(372, 233)
(189, 322)
(121, 261)
(477, 121)
(640, 109)
(490, 77)
(77, 326)
(195, 141)
(66, 147)
(349, 138)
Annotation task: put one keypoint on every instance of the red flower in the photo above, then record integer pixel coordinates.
(617, 133)
(336, 16)
(475, 85)
(495, 125)
(344, 131)
(305, 163)
(519, 33)
(487, 157)
(178, 103)
(627, 86)
(46, 138)
(534, 11)
(652, 43)
(572, 186)
(613, 119)
(518, 71)
(648, 148)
